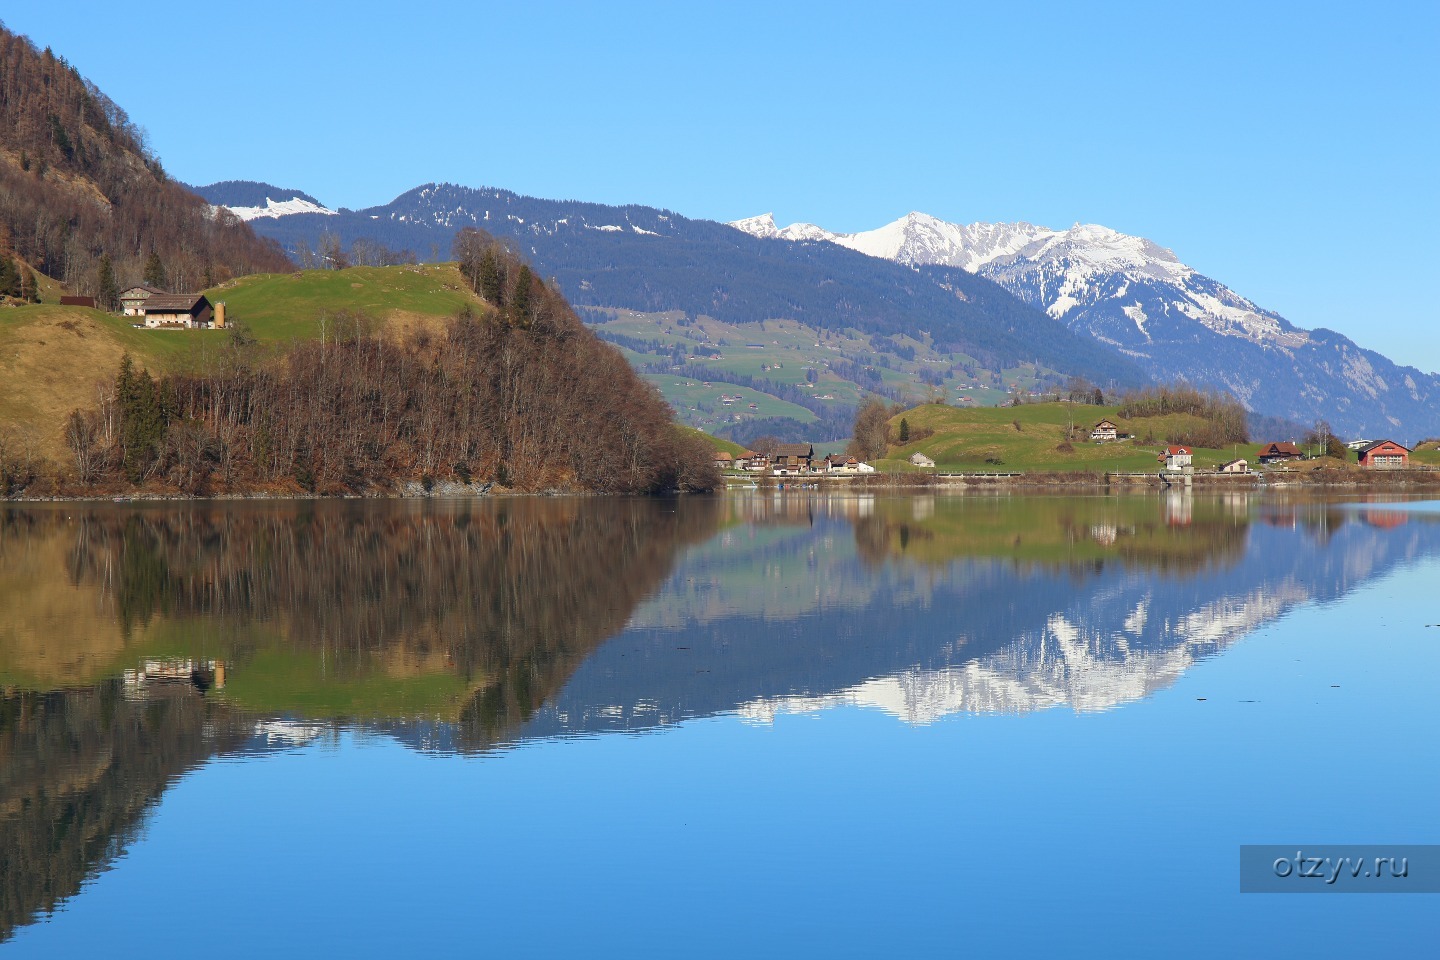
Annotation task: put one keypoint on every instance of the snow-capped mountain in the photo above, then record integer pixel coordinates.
(250, 200)
(280, 208)
(1138, 298)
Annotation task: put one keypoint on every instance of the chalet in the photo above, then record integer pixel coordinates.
(177, 310)
(1384, 455)
(1176, 458)
(723, 460)
(132, 300)
(792, 458)
(1104, 431)
(1235, 466)
(1279, 453)
(920, 460)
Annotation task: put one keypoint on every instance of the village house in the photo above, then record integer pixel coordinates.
(920, 460)
(792, 458)
(723, 460)
(132, 300)
(1104, 431)
(1384, 455)
(839, 463)
(179, 310)
(1176, 458)
(1235, 466)
(1279, 453)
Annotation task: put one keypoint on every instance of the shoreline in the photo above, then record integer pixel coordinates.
(1418, 481)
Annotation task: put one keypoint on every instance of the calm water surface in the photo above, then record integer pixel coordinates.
(773, 726)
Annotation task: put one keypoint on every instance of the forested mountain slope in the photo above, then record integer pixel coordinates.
(78, 184)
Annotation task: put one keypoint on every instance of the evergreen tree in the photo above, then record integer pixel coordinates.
(143, 415)
(904, 431)
(490, 286)
(520, 299)
(155, 272)
(107, 293)
(9, 278)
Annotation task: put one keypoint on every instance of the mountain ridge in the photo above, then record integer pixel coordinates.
(1140, 300)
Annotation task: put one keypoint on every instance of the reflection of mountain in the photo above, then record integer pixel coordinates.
(466, 627)
(1090, 613)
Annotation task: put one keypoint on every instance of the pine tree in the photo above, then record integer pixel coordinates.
(107, 293)
(904, 430)
(490, 286)
(9, 278)
(155, 272)
(520, 299)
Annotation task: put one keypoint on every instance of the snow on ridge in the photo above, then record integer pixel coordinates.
(275, 209)
(1074, 270)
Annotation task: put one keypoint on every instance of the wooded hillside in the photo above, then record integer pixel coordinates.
(83, 200)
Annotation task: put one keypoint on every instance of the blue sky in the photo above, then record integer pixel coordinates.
(1289, 151)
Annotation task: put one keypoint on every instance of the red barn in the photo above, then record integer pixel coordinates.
(1384, 455)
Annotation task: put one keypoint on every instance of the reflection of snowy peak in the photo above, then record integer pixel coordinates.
(1139, 299)
(1087, 666)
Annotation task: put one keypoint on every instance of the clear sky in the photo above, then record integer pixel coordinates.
(1288, 150)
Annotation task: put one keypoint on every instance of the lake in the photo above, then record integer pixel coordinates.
(763, 724)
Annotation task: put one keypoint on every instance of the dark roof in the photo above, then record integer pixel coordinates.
(1284, 447)
(1104, 423)
(794, 450)
(175, 302)
(1380, 443)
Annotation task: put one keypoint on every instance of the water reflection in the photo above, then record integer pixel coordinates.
(137, 643)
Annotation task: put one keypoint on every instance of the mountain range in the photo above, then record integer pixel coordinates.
(1140, 300)
(1116, 309)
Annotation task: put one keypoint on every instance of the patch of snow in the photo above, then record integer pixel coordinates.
(275, 209)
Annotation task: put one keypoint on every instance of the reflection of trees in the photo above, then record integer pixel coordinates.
(508, 595)
(78, 770)
(1185, 537)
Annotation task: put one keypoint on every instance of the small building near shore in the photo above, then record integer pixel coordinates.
(1279, 452)
(1235, 466)
(922, 461)
(1176, 458)
(792, 458)
(1384, 455)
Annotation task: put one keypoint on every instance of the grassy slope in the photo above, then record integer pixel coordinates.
(52, 356)
(965, 438)
(288, 306)
(782, 350)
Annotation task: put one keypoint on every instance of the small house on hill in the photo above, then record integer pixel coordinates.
(177, 310)
(132, 300)
(1235, 466)
(920, 460)
(1279, 452)
(1176, 458)
(723, 460)
(1384, 455)
(1104, 431)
